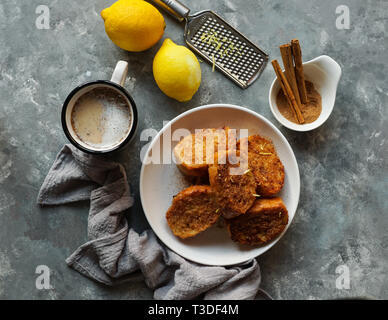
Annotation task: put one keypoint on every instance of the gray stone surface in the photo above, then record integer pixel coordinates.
(342, 215)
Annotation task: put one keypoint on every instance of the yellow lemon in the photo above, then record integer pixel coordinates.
(133, 25)
(177, 71)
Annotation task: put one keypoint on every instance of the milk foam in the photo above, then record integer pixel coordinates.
(101, 118)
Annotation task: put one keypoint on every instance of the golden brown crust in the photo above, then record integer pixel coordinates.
(235, 191)
(195, 152)
(264, 222)
(193, 210)
(265, 165)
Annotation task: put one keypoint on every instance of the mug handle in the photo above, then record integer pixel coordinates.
(120, 73)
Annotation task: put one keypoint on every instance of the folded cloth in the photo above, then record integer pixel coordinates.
(114, 251)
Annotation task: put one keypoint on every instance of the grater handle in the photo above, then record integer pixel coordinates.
(176, 9)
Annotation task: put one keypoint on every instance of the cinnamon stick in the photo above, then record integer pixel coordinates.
(297, 53)
(286, 52)
(287, 92)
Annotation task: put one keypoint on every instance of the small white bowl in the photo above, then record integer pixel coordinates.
(324, 73)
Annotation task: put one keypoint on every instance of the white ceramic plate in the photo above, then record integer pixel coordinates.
(160, 182)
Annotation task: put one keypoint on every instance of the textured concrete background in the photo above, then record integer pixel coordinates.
(342, 215)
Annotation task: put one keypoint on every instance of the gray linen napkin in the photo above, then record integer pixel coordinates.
(114, 251)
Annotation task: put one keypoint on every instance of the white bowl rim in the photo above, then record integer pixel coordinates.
(309, 126)
(221, 105)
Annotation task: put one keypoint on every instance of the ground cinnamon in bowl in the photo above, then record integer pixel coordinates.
(310, 110)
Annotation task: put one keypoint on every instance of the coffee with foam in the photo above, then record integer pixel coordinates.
(101, 118)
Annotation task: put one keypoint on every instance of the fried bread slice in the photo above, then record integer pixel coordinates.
(233, 184)
(193, 210)
(263, 222)
(265, 165)
(195, 152)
